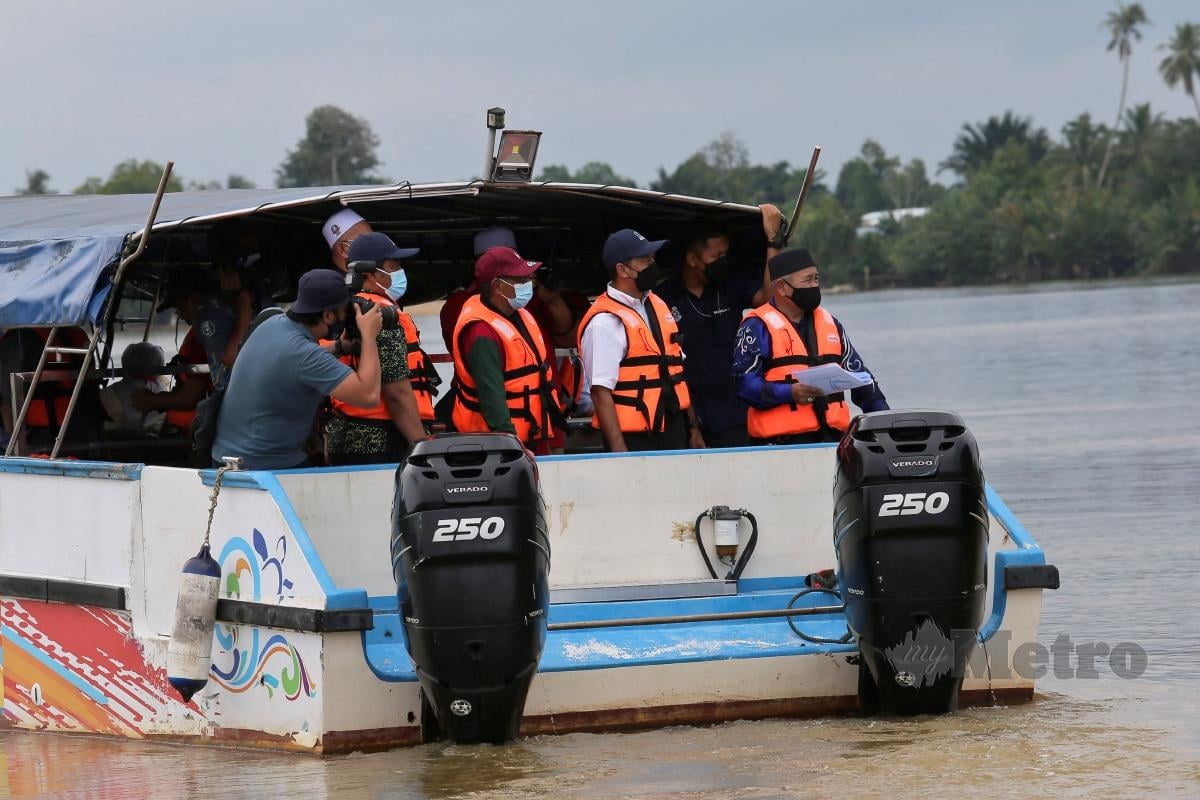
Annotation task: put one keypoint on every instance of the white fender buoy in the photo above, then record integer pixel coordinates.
(189, 655)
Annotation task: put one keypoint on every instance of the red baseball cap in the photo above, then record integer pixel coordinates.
(500, 262)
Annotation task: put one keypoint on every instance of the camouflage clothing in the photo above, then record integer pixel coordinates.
(350, 440)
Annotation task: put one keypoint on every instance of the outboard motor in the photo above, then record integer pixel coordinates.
(911, 531)
(470, 556)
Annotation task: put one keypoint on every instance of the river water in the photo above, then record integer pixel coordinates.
(1085, 401)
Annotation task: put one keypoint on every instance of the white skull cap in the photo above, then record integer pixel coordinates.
(338, 224)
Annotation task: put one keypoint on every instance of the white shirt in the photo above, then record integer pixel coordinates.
(604, 345)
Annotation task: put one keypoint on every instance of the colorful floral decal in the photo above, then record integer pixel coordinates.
(249, 568)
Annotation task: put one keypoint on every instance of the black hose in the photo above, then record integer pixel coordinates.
(749, 551)
(816, 639)
(700, 545)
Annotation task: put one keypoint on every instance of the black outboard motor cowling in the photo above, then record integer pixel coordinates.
(471, 556)
(911, 532)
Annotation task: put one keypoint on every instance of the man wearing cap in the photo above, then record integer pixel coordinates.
(383, 433)
(282, 375)
(707, 299)
(777, 342)
(549, 308)
(340, 231)
(632, 361)
(502, 365)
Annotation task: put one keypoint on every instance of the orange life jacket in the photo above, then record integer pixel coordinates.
(788, 356)
(568, 378)
(419, 368)
(191, 353)
(528, 385)
(651, 368)
(52, 396)
(379, 411)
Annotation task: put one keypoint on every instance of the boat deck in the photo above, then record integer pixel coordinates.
(645, 645)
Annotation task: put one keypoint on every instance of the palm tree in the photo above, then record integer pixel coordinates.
(1182, 63)
(1122, 25)
(1141, 125)
(976, 144)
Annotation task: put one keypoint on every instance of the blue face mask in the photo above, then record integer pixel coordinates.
(524, 294)
(399, 285)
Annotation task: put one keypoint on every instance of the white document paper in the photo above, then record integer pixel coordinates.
(831, 378)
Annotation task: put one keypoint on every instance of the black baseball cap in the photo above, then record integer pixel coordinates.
(377, 247)
(321, 290)
(627, 244)
(790, 261)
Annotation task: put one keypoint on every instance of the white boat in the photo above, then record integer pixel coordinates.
(312, 651)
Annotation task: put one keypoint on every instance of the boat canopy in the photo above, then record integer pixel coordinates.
(54, 249)
(58, 253)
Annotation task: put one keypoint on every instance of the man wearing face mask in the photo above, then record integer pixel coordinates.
(632, 361)
(502, 364)
(707, 299)
(777, 342)
(382, 434)
(282, 374)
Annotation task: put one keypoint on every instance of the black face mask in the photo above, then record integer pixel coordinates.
(717, 272)
(650, 277)
(808, 298)
(336, 328)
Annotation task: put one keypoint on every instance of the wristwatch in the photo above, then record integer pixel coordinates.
(780, 238)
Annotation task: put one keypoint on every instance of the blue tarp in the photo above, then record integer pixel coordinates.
(53, 248)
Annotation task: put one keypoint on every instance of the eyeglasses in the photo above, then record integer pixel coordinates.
(815, 280)
(514, 281)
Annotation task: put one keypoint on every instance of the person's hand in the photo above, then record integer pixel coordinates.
(772, 220)
(695, 439)
(142, 400)
(803, 394)
(370, 323)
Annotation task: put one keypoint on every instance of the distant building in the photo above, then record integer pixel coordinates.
(869, 223)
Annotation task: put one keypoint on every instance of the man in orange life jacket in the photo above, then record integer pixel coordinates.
(632, 360)
(502, 364)
(777, 342)
(383, 433)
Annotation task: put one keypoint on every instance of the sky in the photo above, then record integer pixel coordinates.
(224, 87)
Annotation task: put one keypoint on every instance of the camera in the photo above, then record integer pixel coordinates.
(355, 273)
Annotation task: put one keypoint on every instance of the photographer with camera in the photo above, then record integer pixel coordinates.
(282, 375)
(383, 433)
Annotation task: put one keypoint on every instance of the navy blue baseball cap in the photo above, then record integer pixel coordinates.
(627, 244)
(377, 247)
(321, 290)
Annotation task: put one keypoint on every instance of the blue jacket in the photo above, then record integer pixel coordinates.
(752, 350)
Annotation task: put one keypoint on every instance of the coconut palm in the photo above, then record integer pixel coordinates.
(1182, 64)
(1122, 25)
(976, 144)
(1141, 125)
